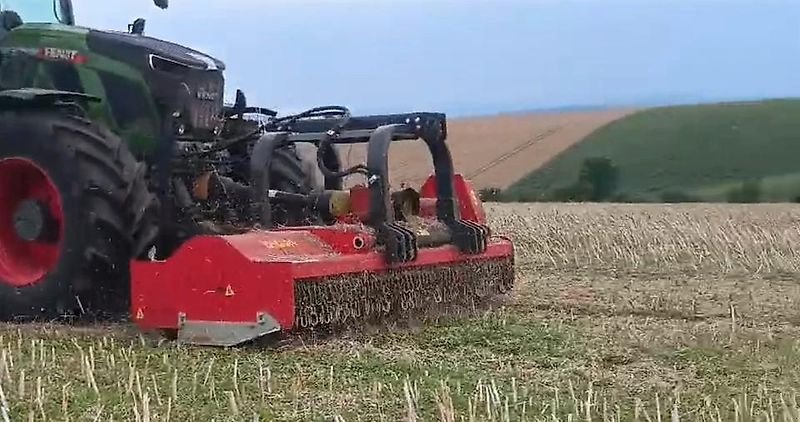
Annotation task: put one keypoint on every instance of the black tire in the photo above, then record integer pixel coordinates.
(108, 214)
(287, 174)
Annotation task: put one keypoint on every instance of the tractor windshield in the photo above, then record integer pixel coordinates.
(40, 11)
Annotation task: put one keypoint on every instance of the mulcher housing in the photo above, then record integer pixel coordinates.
(127, 185)
(386, 255)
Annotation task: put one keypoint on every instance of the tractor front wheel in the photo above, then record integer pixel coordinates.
(74, 210)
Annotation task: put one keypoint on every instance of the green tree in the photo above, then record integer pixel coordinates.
(598, 180)
(748, 192)
(602, 175)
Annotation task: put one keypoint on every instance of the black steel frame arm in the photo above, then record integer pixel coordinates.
(359, 129)
(401, 243)
(379, 132)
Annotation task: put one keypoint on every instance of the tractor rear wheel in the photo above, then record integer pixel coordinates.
(288, 174)
(74, 210)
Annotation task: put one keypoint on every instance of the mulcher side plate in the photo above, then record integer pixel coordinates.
(226, 290)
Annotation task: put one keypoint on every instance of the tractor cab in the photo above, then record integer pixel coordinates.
(15, 12)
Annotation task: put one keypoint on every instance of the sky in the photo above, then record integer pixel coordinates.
(481, 56)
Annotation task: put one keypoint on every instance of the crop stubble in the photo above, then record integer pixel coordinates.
(621, 312)
(683, 260)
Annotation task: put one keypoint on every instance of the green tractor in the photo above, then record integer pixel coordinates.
(115, 146)
(129, 188)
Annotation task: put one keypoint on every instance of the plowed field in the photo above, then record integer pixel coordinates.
(620, 313)
(492, 151)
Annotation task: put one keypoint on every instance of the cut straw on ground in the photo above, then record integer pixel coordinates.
(621, 313)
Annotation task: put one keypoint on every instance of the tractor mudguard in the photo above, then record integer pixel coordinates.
(13, 99)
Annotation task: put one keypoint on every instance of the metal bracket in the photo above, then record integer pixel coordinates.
(469, 237)
(400, 242)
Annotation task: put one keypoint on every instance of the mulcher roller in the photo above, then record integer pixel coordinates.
(353, 299)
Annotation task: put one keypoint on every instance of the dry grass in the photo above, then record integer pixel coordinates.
(648, 313)
(654, 237)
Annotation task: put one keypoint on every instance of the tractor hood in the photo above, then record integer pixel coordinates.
(178, 79)
(139, 49)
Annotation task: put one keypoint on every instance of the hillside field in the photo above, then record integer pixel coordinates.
(620, 313)
(493, 151)
(702, 151)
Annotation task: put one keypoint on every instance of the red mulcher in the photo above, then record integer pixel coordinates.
(382, 254)
(262, 255)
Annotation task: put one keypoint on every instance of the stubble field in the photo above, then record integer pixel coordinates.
(621, 312)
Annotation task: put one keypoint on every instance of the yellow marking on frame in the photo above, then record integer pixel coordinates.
(279, 244)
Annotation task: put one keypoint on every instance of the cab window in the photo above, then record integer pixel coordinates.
(34, 11)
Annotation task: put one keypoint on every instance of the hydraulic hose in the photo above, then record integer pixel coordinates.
(323, 111)
(325, 144)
